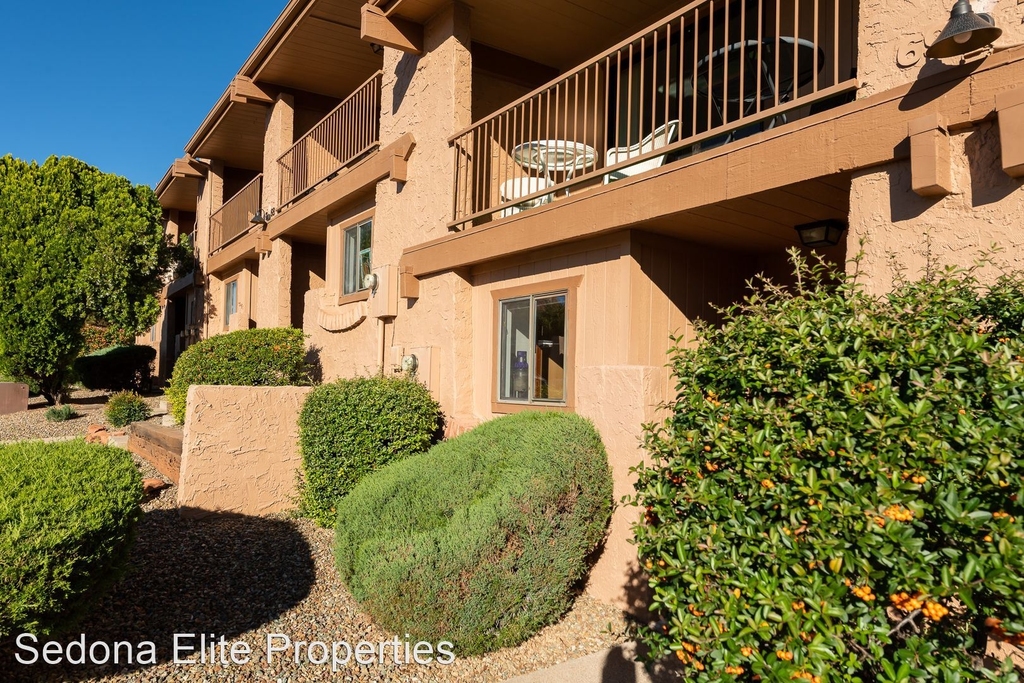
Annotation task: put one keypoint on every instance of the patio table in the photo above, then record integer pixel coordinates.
(554, 156)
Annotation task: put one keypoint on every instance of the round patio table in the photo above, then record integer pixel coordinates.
(554, 156)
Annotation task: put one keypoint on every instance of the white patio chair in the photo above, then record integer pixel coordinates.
(662, 136)
(523, 187)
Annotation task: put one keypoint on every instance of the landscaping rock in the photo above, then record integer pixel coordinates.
(96, 434)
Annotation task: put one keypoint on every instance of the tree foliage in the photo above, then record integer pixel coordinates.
(838, 494)
(76, 245)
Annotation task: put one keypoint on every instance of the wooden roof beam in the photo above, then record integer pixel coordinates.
(188, 167)
(392, 32)
(244, 91)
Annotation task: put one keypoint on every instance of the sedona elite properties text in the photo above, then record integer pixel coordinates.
(203, 648)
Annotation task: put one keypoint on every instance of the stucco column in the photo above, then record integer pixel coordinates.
(272, 307)
(173, 228)
(429, 96)
(211, 198)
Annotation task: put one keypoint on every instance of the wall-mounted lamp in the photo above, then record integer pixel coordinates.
(377, 48)
(260, 218)
(825, 233)
(965, 32)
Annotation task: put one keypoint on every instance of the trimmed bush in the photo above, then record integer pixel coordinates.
(353, 427)
(483, 540)
(61, 414)
(246, 358)
(838, 495)
(126, 407)
(67, 512)
(116, 368)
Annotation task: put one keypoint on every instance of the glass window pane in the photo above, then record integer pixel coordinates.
(352, 283)
(549, 383)
(366, 235)
(514, 351)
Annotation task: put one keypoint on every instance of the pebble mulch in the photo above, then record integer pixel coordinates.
(32, 423)
(246, 577)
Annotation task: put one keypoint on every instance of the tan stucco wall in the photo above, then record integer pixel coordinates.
(893, 37)
(985, 209)
(241, 450)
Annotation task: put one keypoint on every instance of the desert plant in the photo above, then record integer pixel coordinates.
(353, 427)
(126, 407)
(117, 367)
(837, 495)
(248, 358)
(483, 540)
(60, 413)
(67, 512)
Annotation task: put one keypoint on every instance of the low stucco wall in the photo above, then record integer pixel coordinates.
(13, 397)
(241, 450)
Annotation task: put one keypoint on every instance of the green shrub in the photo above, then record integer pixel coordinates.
(117, 367)
(838, 493)
(353, 427)
(67, 511)
(126, 407)
(248, 358)
(60, 414)
(483, 540)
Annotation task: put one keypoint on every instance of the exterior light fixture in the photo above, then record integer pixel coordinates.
(260, 218)
(965, 32)
(377, 48)
(825, 233)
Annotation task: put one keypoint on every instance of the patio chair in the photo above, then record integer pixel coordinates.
(523, 187)
(661, 137)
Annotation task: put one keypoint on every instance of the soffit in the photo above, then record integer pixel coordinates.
(236, 138)
(180, 193)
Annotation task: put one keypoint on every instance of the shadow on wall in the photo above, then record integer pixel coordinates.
(314, 366)
(226, 575)
(989, 183)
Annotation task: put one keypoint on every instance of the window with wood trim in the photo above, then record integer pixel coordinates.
(358, 245)
(533, 333)
(230, 301)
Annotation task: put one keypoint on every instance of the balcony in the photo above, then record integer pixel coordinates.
(340, 138)
(712, 73)
(233, 218)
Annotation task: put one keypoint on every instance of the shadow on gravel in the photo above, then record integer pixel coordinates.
(224, 574)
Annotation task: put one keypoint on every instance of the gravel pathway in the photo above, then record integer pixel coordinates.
(247, 577)
(32, 424)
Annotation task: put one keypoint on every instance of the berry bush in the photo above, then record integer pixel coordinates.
(837, 495)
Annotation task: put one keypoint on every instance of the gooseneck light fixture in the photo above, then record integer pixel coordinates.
(965, 32)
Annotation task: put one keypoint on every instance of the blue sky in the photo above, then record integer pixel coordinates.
(120, 84)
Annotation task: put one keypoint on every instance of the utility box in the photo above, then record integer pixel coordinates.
(428, 368)
(384, 300)
(13, 397)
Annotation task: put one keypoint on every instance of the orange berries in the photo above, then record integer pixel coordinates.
(804, 676)
(734, 670)
(746, 651)
(864, 593)
(987, 539)
(649, 564)
(906, 602)
(898, 513)
(711, 467)
(694, 611)
(934, 611)
(919, 479)
(707, 448)
(661, 563)
(767, 483)
(798, 606)
(784, 655)
(736, 593)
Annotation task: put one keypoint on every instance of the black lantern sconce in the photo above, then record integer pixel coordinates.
(825, 233)
(965, 32)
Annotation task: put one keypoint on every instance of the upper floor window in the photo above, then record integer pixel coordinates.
(358, 243)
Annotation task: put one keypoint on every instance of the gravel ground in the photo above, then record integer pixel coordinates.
(32, 424)
(246, 577)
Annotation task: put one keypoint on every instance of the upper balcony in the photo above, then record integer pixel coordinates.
(233, 218)
(709, 74)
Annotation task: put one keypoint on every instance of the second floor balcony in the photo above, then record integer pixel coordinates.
(709, 74)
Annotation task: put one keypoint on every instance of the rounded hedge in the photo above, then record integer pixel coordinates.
(67, 513)
(483, 540)
(353, 427)
(247, 358)
(838, 493)
(117, 367)
(126, 407)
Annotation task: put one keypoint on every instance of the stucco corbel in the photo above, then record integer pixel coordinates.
(1010, 111)
(340, 318)
(930, 166)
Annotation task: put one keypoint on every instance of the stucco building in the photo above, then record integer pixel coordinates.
(543, 193)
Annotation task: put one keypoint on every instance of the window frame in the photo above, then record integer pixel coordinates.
(228, 313)
(357, 226)
(567, 286)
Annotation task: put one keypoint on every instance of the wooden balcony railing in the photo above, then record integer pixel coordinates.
(340, 138)
(232, 219)
(711, 73)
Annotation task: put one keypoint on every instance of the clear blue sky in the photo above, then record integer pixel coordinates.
(120, 84)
